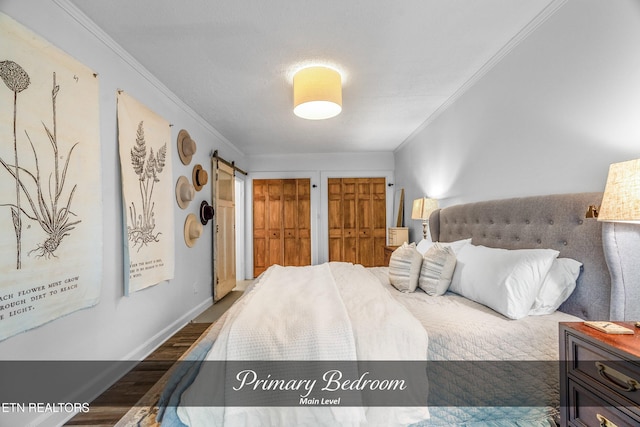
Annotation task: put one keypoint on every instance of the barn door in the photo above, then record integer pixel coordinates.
(224, 253)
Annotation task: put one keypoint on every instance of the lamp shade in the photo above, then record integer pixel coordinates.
(621, 199)
(423, 207)
(317, 93)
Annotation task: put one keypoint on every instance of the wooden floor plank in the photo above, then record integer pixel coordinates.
(109, 407)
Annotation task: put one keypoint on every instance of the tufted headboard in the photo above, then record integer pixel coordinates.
(555, 221)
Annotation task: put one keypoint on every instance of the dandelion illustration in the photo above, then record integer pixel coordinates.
(147, 169)
(17, 80)
(55, 221)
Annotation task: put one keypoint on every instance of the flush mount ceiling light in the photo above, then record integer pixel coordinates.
(317, 93)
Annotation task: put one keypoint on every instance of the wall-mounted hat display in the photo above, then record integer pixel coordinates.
(186, 146)
(200, 177)
(206, 212)
(184, 192)
(192, 230)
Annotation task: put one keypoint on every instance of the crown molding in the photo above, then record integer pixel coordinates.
(538, 20)
(94, 29)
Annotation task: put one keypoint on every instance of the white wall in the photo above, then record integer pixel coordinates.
(119, 327)
(548, 118)
(321, 161)
(318, 168)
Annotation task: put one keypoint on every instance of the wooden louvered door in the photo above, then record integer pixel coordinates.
(357, 220)
(281, 223)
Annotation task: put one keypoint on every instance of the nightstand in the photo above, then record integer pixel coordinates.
(599, 377)
(388, 250)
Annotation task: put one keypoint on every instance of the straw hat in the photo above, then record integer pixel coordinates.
(206, 212)
(186, 146)
(200, 177)
(184, 192)
(192, 230)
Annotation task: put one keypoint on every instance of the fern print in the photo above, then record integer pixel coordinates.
(148, 169)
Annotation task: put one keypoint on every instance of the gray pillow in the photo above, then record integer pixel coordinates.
(404, 267)
(436, 272)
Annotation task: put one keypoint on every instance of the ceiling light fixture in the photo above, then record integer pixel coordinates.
(317, 93)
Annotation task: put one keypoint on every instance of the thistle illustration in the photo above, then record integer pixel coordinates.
(141, 232)
(17, 80)
(54, 221)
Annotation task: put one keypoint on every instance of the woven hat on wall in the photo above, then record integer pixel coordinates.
(186, 146)
(200, 177)
(192, 230)
(184, 192)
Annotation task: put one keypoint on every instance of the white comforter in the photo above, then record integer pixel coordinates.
(333, 311)
(462, 331)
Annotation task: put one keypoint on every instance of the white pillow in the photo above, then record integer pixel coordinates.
(557, 286)
(438, 265)
(507, 281)
(425, 244)
(404, 267)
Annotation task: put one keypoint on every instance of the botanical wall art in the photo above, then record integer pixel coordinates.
(50, 198)
(147, 188)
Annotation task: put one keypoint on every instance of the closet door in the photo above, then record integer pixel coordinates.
(304, 222)
(335, 208)
(297, 222)
(224, 254)
(349, 221)
(281, 223)
(379, 221)
(357, 220)
(290, 221)
(260, 232)
(267, 224)
(365, 223)
(274, 222)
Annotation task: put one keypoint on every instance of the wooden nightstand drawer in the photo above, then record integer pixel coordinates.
(599, 377)
(616, 373)
(587, 408)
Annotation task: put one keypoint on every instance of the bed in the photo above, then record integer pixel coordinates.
(483, 369)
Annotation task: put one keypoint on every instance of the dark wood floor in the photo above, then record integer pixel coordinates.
(109, 407)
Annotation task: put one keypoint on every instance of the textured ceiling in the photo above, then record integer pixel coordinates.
(232, 60)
